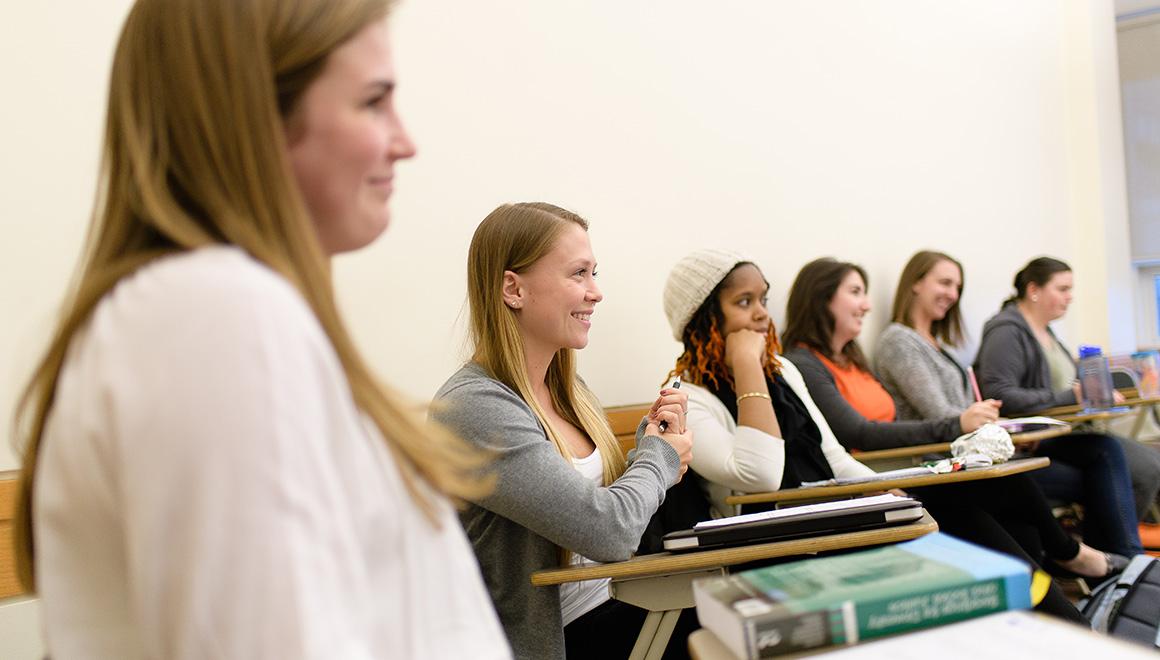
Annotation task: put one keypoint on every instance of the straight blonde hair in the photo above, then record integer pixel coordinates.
(513, 237)
(194, 155)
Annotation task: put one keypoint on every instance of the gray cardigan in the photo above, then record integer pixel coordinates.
(855, 431)
(1011, 365)
(926, 382)
(541, 502)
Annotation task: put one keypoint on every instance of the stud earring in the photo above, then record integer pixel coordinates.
(515, 304)
(1034, 298)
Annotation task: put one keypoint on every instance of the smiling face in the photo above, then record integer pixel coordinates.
(743, 297)
(344, 138)
(554, 298)
(848, 306)
(1053, 298)
(937, 292)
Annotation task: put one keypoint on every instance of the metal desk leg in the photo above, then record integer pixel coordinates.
(664, 597)
(1138, 424)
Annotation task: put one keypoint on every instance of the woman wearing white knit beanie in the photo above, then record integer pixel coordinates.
(755, 426)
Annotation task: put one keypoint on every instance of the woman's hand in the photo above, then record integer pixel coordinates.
(682, 442)
(744, 346)
(674, 401)
(979, 413)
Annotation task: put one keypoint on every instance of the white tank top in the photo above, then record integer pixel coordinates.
(579, 598)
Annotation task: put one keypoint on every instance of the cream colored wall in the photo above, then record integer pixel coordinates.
(790, 130)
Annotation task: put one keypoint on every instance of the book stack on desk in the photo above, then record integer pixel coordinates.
(809, 604)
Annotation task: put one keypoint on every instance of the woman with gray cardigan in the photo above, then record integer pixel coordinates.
(926, 382)
(564, 493)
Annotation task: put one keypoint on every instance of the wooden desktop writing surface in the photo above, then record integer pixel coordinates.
(1096, 415)
(943, 447)
(828, 492)
(666, 563)
(1129, 401)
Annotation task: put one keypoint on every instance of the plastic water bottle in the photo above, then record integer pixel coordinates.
(1095, 380)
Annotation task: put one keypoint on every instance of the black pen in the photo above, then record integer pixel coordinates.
(676, 386)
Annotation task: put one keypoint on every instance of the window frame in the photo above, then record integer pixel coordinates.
(1147, 306)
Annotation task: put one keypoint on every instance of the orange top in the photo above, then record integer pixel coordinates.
(862, 391)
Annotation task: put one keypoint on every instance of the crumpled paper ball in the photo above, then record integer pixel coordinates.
(990, 440)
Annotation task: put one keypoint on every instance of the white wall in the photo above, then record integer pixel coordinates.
(864, 130)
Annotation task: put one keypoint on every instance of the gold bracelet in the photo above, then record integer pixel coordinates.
(751, 394)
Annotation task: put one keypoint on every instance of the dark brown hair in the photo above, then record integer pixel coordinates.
(948, 329)
(809, 322)
(1038, 271)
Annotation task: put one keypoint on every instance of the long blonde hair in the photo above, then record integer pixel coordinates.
(195, 154)
(513, 237)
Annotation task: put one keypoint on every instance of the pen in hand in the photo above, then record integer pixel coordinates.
(974, 384)
(664, 426)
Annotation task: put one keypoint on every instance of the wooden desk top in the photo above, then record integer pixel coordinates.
(1130, 401)
(666, 563)
(943, 447)
(1096, 416)
(827, 492)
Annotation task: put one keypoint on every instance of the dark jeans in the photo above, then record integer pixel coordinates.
(610, 631)
(1090, 468)
(1022, 509)
(959, 514)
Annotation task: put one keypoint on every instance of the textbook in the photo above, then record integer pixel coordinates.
(797, 522)
(843, 599)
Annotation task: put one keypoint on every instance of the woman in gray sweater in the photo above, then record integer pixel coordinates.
(564, 493)
(928, 383)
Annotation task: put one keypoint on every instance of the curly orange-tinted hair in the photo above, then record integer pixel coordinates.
(703, 362)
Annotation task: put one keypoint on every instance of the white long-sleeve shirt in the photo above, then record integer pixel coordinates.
(208, 489)
(742, 459)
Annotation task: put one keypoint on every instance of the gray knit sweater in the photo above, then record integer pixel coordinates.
(926, 382)
(855, 431)
(541, 502)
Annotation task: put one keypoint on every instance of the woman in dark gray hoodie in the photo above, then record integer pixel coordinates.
(1022, 363)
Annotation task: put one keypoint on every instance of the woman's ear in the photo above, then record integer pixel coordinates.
(1033, 291)
(513, 295)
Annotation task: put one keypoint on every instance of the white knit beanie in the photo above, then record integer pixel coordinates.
(692, 280)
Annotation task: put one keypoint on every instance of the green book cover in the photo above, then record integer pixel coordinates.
(818, 602)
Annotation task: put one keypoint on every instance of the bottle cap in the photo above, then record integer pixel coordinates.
(1087, 350)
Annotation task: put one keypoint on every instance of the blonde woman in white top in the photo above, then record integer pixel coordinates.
(211, 470)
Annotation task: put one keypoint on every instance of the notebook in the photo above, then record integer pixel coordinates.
(796, 522)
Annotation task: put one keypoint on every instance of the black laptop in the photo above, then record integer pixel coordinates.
(797, 522)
